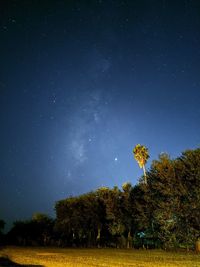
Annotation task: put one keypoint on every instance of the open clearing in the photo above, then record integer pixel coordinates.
(58, 257)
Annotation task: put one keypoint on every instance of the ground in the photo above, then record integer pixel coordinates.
(56, 257)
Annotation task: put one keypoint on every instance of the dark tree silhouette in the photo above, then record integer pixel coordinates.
(166, 213)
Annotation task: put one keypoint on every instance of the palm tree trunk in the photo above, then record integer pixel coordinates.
(145, 175)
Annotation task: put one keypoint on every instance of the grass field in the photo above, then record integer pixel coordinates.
(96, 257)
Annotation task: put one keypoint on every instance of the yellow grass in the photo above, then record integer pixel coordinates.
(56, 257)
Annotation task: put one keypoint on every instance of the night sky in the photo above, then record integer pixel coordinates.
(83, 82)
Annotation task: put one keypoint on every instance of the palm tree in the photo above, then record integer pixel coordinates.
(141, 156)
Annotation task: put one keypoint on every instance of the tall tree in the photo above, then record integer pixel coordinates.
(126, 211)
(188, 169)
(141, 156)
(165, 188)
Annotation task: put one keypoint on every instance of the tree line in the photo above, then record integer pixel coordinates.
(161, 211)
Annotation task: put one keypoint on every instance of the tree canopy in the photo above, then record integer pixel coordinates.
(141, 155)
(166, 213)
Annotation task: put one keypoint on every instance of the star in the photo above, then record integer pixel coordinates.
(116, 159)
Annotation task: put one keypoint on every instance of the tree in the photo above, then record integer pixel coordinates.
(126, 210)
(43, 226)
(80, 220)
(113, 223)
(141, 156)
(165, 188)
(188, 169)
(175, 192)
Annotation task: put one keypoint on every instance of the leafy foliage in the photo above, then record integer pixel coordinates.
(165, 213)
(141, 154)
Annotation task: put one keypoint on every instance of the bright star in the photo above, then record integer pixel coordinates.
(116, 159)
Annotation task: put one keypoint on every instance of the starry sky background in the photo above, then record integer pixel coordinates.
(81, 83)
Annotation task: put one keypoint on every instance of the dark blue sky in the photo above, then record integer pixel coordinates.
(81, 83)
